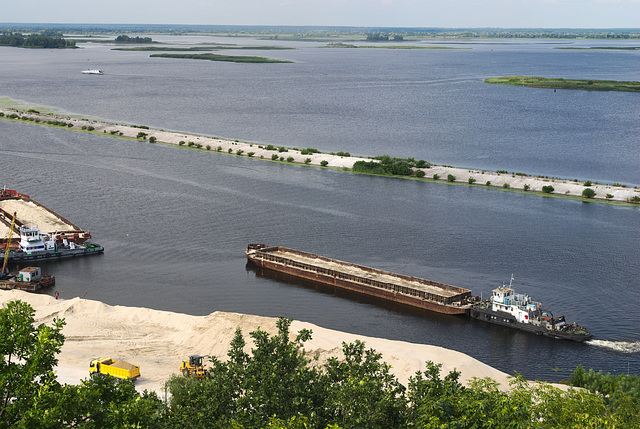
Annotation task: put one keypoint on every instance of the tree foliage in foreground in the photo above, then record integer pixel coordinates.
(277, 386)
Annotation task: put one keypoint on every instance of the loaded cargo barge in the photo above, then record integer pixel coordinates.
(397, 288)
(505, 307)
(32, 232)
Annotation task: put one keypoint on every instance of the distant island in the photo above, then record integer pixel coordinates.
(46, 39)
(560, 83)
(123, 38)
(228, 58)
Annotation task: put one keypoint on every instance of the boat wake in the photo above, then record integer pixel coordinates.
(620, 346)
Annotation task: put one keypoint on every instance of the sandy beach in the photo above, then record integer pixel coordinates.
(513, 181)
(159, 340)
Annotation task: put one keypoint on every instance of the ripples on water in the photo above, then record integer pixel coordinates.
(175, 222)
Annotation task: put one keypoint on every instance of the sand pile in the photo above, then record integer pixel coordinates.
(158, 341)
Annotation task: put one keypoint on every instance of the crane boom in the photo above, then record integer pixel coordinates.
(8, 244)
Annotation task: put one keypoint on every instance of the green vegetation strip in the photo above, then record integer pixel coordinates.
(612, 48)
(207, 48)
(227, 58)
(585, 84)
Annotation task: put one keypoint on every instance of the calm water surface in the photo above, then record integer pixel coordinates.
(175, 222)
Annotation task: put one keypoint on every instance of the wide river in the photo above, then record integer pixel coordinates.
(175, 222)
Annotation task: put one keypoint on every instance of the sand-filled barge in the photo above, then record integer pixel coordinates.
(397, 288)
(30, 231)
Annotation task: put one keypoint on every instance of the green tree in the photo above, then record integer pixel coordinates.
(362, 392)
(588, 193)
(548, 189)
(27, 378)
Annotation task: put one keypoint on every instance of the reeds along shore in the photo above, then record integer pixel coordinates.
(501, 180)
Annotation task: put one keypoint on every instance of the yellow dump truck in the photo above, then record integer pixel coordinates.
(115, 368)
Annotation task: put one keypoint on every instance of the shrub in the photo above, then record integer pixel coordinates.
(635, 199)
(250, 154)
(239, 152)
(436, 176)
(420, 173)
(181, 142)
(190, 144)
(587, 183)
(90, 128)
(270, 147)
(274, 157)
(422, 164)
(505, 185)
(141, 135)
(588, 193)
(548, 189)
(307, 161)
(290, 159)
(324, 163)
(230, 150)
(451, 178)
(84, 127)
(152, 139)
(219, 148)
(1, 114)
(283, 149)
(208, 147)
(199, 145)
(488, 183)
(282, 158)
(609, 196)
(471, 180)
(309, 151)
(343, 154)
(527, 187)
(70, 125)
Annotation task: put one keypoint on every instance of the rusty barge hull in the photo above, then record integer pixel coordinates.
(45, 282)
(397, 288)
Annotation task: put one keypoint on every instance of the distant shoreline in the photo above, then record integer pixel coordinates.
(561, 83)
(497, 180)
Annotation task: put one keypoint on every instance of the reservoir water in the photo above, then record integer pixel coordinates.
(175, 222)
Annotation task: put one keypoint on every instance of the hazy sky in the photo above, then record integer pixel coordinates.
(366, 13)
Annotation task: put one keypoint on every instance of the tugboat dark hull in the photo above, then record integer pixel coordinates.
(565, 332)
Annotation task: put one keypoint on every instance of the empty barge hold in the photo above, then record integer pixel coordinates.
(412, 291)
(38, 233)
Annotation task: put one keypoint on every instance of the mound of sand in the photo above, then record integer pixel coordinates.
(158, 341)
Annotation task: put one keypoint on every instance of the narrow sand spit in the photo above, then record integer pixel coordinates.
(462, 175)
(159, 340)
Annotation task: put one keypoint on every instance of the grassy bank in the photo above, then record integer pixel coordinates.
(227, 58)
(561, 83)
(407, 168)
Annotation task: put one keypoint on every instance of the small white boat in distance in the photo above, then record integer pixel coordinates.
(92, 71)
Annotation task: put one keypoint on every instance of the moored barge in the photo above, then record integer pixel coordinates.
(397, 288)
(29, 278)
(30, 231)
